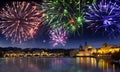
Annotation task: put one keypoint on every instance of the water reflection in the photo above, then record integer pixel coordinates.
(86, 62)
(100, 64)
(79, 64)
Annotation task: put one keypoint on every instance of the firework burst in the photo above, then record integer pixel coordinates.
(67, 13)
(104, 17)
(58, 36)
(20, 21)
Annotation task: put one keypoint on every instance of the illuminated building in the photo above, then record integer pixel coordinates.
(109, 49)
(88, 50)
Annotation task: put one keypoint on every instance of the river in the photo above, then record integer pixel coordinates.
(78, 64)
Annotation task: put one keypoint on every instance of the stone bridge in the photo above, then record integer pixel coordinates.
(39, 54)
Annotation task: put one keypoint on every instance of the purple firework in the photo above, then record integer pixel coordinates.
(104, 17)
(20, 21)
(58, 36)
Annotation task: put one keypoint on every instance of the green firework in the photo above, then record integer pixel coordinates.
(67, 13)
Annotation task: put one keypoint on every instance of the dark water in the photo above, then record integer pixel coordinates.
(80, 64)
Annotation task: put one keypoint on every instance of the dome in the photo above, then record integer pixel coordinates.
(90, 46)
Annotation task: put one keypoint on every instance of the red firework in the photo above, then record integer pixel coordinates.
(20, 21)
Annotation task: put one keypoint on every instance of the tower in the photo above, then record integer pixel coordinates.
(85, 45)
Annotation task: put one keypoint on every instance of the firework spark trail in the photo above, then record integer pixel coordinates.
(58, 36)
(104, 16)
(20, 21)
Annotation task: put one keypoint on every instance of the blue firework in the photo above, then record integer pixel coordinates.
(104, 17)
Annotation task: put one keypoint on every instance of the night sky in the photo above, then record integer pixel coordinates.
(42, 40)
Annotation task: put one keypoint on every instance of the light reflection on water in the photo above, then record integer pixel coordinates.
(79, 64)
